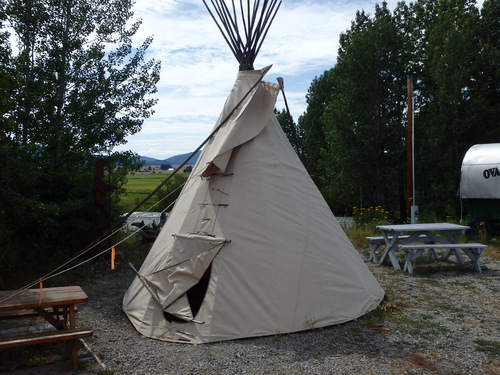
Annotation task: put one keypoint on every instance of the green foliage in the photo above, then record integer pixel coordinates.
(363, 122)
(491, 348)
(370, 215)
(138, 187)
(357, 235)
(454, 119)
(354, 130)
(74, 88)
(290, 129)
(131, 249)
(169, 193)
(311, 129)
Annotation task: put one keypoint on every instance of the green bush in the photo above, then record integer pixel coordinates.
(169, 193)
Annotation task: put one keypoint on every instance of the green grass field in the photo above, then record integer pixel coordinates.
(138, 187)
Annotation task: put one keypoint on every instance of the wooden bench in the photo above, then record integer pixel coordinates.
(472, 250)
(28, 313)
(375, 242)
(44, 337)
(55, 305)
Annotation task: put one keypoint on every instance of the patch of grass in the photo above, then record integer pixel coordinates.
(490, 348)
(493, 251)
(383, 312)
(138, 187)
(432, 282)
(131, 200)
(318, 357)
(423, 328)
(133, 250)
(462, 284)
(144, 182)
(357, 235)
(459, 310)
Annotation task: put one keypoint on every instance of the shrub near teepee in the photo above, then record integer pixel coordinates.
(369, 215)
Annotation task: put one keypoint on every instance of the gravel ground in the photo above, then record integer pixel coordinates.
(440, 320)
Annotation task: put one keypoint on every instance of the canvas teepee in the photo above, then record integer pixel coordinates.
(250, 248)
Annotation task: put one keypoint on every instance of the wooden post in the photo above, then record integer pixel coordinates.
(409, 146)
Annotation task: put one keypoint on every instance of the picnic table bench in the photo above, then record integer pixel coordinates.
(472, 250)
(28, 313)
(374, 243)
(55, 305)
(395, 235)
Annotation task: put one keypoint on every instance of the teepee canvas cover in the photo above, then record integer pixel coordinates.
(250, 248)
(251, 238)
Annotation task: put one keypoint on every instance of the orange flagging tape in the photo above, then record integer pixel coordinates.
(113, 254)
(41, 291)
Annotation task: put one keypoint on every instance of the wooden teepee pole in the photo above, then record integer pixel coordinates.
(253, 21)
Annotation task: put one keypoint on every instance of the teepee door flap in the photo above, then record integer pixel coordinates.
(192, 255)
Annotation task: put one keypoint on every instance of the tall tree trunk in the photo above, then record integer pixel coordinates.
(62, 82)
(28, 40)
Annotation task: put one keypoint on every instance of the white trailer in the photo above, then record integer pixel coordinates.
(480, 188)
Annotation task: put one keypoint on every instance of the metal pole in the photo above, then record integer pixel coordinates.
(290, 120)
(409, 152)
(413, 148)
(414, 207)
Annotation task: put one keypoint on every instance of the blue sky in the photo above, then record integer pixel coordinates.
(198, 69)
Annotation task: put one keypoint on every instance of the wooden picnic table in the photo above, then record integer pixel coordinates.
(401, 234)
(55, 305)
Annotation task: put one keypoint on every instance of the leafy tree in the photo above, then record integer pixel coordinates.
(289, 128)
(311, 128)
(78, 88)
(364, 120)
(354, 130)
(452, 102)
(92, 97)
(169, 193)
(165, 167)
(487, 70)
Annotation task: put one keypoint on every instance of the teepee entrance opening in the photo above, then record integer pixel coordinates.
(195, 296)
(187, 271)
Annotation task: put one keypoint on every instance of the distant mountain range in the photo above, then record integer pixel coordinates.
(173, 160)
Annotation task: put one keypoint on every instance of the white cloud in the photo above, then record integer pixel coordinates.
(198, 69)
